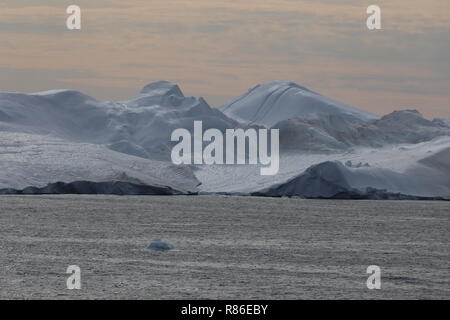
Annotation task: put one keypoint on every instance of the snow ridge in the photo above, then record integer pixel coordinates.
(63, 141)
(276, 101)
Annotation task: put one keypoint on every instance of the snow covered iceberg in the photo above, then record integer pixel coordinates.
(63, 141)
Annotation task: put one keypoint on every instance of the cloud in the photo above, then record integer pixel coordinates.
(221, 48)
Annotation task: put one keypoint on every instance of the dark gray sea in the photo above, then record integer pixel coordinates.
(224, 248)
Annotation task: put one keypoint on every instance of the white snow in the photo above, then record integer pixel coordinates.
(391, 167)
(141, 126)
(275, 101)
(336, 133)
(66, 136)
(37, 160)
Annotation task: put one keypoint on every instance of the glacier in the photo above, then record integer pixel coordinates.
(63, 141)
(276, 101)
(32, 160)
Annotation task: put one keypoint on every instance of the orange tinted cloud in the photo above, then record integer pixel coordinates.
(221, 48)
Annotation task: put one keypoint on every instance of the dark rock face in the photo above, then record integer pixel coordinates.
(88, 187)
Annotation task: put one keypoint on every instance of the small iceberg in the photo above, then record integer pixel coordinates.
(159, 245)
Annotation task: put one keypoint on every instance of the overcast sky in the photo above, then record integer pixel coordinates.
(219, 49)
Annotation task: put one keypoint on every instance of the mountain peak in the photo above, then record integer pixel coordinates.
(406, 116)
(275, 101)
(64, 95)
(162, 88)
(411, 112)
(277, 84)
(443, 122)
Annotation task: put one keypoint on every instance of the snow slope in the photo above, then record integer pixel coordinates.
(414, 169)
(333, 179)
(66, 136)
(31, 160)
(275, 101)
(442, 122)
(64, 141)
(334, 132)
(141, 126)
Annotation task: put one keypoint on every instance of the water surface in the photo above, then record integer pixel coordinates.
(224, 247)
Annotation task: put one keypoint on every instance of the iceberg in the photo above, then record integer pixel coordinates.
(158, 245)
(63, 141)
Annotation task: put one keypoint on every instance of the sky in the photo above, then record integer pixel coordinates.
(219, 49)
